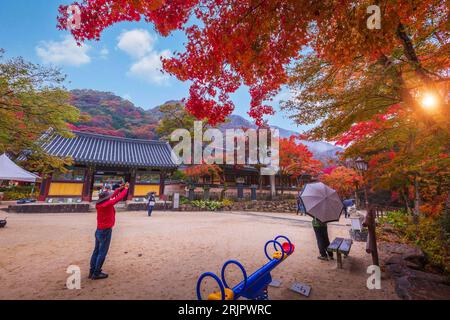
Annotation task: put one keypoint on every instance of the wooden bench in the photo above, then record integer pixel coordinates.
(340, 246)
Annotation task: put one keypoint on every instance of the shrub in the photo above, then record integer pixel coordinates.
(429, 234)
(397, 219)
(227, 202)
(184, 200)
(210, 205)
(18, 192)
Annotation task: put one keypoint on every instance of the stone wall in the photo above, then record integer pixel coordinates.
(139, 206)
(49, 208)
(406, 265)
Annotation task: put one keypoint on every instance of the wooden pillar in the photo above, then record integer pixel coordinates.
(370, 224)
(45, 186)
(132, 184)
(87, 185)
(162, 177)
(339, 259)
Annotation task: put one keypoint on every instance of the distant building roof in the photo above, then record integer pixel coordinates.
(90, 148)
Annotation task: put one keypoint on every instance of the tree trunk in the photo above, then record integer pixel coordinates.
(406, 200)
(416, 199)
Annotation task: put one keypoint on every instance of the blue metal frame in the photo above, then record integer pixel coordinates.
(254, 286)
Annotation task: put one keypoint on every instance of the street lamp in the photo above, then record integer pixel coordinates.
(369, 222)
(362, 166)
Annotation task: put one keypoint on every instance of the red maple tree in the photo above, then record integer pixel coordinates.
(246, 42)
(344, 180)
(296, 159)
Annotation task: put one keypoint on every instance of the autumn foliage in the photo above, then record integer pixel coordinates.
(344, 180)
(199, 171)
(252, 43)
(296, 159)
(363, 86)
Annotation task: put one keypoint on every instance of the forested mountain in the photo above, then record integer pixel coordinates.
(110, 114)
(113, 115)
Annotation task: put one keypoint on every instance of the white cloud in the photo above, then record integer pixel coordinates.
(104, 53)
(149, 67)
(137, 43)
(64, 52)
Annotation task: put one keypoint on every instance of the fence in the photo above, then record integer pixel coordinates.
(216, 192)
(380, 211)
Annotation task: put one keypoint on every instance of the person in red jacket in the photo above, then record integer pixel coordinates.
(106, 216)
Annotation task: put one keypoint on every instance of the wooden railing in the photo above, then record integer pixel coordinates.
(380, 211)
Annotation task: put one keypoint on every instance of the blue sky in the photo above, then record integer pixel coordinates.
(125, 60)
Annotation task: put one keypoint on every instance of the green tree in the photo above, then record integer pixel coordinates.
(32, 101)
(376, 108)
(174, 116)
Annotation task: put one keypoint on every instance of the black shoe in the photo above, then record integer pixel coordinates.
(90, 275)
(99, 276)
(322, 258)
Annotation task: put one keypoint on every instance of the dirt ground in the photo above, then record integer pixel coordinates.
(162, 257)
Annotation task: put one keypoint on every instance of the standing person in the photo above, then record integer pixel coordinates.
(106, 216)
(150, 203)
(321, 231)
(115, 186)
(347, 204)
(300, 207)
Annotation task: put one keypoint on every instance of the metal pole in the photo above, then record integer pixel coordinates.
(366, 198)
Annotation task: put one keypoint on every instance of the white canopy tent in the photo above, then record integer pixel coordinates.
(11, 171)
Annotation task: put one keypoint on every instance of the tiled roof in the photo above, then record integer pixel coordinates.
(90, 148)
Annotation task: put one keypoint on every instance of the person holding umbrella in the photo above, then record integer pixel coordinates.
(323, 204)
(321, 231)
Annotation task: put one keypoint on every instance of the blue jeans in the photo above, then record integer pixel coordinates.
(149, 210)
(102, 241)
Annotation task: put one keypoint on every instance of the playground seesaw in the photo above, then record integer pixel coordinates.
(252, 287)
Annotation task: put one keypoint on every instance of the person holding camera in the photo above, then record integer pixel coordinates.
(106, 216)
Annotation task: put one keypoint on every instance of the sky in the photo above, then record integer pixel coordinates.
(126, 60)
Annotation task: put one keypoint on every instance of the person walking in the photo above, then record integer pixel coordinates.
(321, 231)
(106, 215)
(300, 207)
(150, 203)
(347, 204)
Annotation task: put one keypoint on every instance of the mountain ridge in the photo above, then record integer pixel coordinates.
(113, 115)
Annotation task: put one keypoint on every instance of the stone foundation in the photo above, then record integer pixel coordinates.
(49, 208)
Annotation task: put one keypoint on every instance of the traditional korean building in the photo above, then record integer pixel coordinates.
(100, 159)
